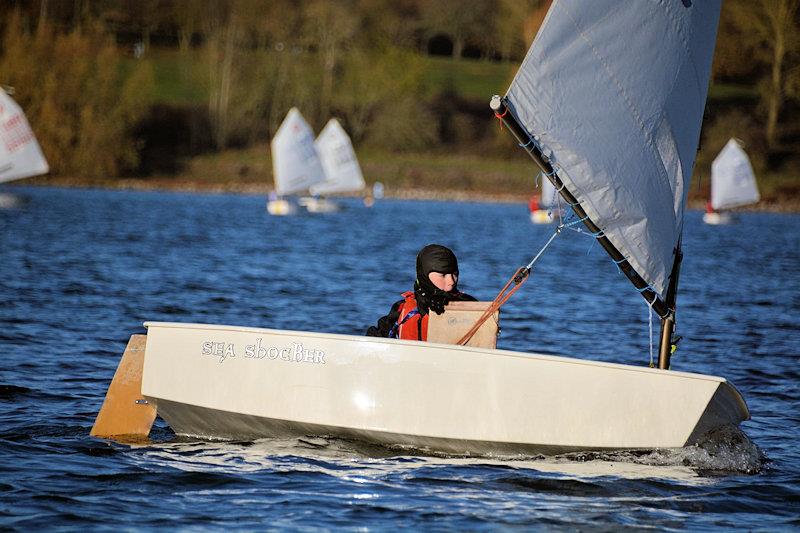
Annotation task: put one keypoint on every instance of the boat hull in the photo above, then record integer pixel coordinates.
(542, 216)
(718, 218)
(281, 207)
(318, 205)
(244, 383)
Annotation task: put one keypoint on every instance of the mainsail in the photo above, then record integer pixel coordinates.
(613, 94)
(733, 182)
(295, 162)
(343, 174)
(20, 155)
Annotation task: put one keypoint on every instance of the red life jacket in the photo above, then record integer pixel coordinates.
(409, 328)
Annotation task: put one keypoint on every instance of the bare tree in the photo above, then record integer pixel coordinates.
(331, 26)
(769, 29)
(221, 30)
(509, 25)
(187, 18)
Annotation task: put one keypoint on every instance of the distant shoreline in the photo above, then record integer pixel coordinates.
(208, 187)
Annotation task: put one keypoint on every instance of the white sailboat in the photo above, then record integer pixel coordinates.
(20, 154)
(342, 171)
(733, 184)
(295, 162)
(609, 102)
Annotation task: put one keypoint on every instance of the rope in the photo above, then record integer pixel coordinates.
(648, 288)
(519, 277)
(526, 144)
(499, 117)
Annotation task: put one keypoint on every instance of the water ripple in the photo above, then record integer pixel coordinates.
(117, 259)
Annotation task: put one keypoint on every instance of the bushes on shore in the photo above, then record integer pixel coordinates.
(79, 100)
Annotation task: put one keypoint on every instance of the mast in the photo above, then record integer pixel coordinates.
(500, 107)
(668, 322)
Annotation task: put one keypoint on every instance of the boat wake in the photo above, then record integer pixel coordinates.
(727, 450)
(724, 452)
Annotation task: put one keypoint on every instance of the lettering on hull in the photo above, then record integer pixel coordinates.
(294, 352)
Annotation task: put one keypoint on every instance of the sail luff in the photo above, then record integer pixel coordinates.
(613, 93)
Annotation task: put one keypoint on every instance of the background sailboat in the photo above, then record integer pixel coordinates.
(733, 184)
(342, 171)
(295, 162)
(545, 208)
(20, 154)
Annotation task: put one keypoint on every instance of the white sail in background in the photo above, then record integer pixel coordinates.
(548, 198)
(733, 182)
(343, 174)
(20, 155)
(295, 162)
(614, 93)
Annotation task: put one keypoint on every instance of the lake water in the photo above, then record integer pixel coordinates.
(80, 270)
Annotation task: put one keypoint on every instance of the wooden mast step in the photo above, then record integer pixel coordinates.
(125, 414)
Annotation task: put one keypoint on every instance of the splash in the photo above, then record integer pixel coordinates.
(724, 451)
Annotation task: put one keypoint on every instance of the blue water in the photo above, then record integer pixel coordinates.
(80, 270)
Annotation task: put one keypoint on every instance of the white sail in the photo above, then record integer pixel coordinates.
(733, 182)
(342, 172)
(549, 195)
(20, 155)
(295, 162)
(614, 93)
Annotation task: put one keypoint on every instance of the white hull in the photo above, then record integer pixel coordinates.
(281, 207)
(542, 216)
(241, 383)
(10, 201)
(718, 218)
(318, 205)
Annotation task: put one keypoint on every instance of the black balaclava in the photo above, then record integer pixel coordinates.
(434, 258)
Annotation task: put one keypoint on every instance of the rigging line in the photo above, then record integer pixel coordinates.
(519, 277)
(551, 173)
(538, 255)
(651, 289)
